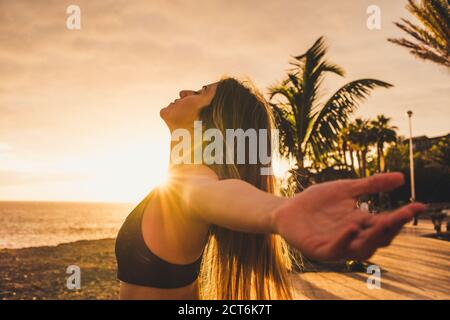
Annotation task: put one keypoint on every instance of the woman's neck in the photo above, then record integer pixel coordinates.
(175, 159)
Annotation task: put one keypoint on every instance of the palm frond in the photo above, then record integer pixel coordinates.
(434, 39)
(422, 52)
(336, 112)
(286, 129)
(421, 35)
(306, 77)
(288, 94)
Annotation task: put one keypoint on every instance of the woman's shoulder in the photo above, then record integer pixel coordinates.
(192, 171)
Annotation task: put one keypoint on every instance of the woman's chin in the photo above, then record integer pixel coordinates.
(163, 112)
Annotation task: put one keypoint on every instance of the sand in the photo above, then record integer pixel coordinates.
(40, 273)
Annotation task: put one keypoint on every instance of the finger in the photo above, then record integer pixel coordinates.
(391, 233)
(406, 213)
(339, 247)
(368, 241)
(382, 234)
(359, 250)
(377, 183)
(400, 216)
(377, 232)
(384, 230)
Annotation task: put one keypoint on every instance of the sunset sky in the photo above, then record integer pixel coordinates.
(79, 109)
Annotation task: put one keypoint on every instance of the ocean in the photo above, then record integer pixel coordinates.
(34, 224)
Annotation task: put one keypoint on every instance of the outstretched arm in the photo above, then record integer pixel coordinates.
(231, 203)
(323, 221)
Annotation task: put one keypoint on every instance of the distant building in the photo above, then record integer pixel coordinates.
(422, 143)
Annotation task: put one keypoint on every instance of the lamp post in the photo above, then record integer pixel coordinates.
(411, 165)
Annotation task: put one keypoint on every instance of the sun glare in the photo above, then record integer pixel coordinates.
(281, 167)
(128, 173)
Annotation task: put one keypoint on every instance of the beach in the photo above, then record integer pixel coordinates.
(413, 267)
(40, 272)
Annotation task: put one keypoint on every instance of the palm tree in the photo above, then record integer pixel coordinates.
(383, 133)
(343, 147)
(433, 39)
(347, 147)
(439, 153)
(361, 136)
(397, 155)
(308, 128)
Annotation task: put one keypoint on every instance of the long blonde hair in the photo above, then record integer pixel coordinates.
(239, 265)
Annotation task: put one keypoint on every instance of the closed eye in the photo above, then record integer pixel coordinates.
(204, 88)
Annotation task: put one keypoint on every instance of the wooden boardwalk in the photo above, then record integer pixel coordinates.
(412, 267)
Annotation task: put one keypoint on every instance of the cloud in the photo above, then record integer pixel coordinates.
(65, 93)
(17, 178)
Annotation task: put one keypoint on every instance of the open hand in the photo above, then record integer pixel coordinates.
(324, 223)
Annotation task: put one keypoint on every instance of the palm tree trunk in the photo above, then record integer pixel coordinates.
(364, 161)
(378, 159)
(382, 159)
(352, 160)
(360, 163)
(300, 159)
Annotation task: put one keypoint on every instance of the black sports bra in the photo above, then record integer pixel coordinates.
(136, 264)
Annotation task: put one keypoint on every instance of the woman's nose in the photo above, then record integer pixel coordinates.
(184, 93)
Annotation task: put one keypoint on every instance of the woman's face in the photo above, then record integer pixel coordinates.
(182, 112)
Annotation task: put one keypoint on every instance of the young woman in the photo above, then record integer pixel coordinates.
(219, 231)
